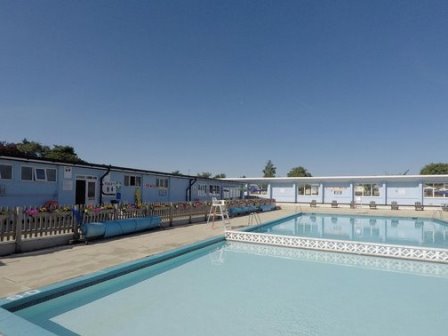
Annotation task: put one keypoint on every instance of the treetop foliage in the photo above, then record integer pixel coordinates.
(269, 170)
(34, 150)
(299, 172)
(435, 169)
(210, 175)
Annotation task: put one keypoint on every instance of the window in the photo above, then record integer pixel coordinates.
(40, 174)
(367, 189)
(202, 190)
(5, 172)
(308, 189)
(162, 183)
(214, 189)
(436, 190)
(91, 190)
(51, 174)
(132, 180)
(27, 173)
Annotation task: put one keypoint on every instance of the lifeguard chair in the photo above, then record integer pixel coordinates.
(219, 210)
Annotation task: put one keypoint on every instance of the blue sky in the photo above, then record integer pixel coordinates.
(339, 87)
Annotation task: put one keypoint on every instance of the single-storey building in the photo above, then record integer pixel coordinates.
(33, 182)
(430, 190)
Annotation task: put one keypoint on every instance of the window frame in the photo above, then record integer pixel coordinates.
(434, 189)
(308, 189)
(214, 189)
(202, 190)
(32, 173)
(162, 182)
(38, 174)
(132, 181)
(89, 191)
(37, 178)
(10, 172)
(55, 174)
(367, 190)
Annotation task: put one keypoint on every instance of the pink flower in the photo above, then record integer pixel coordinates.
(32, 212)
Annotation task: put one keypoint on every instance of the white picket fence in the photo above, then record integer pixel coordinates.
(25, 223)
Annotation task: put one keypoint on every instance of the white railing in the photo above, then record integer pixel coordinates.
(363, 248)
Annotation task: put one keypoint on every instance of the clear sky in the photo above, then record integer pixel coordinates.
(339, 87)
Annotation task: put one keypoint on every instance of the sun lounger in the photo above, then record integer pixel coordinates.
(334, 204)
(313, 203)
(394, 206)
(372, 205)
(419, 206)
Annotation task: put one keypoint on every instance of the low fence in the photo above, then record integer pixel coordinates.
(352, 247)
(23, 224)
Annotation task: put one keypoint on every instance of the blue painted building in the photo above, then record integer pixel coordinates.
(430, 190)
(31, 182)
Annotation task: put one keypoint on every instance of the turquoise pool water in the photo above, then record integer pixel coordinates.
(243, 289)
(401, 231)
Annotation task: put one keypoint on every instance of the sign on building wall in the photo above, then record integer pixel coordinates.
(110, 187)
(338, 190)
(68, 173)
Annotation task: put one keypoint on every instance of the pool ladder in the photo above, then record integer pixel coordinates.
(253, 219)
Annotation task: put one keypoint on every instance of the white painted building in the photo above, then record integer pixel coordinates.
(430, 190)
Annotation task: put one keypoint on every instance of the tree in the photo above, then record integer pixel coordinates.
(32, 149)
(435, 169)
(62, 153)
(299, 172)
(204, 174)
(9, 149)
(269, 170)
(222, 175)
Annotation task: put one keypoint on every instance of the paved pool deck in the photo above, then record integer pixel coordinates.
(23, 272)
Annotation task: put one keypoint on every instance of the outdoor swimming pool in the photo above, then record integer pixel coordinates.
(388, 230)
(231, 288)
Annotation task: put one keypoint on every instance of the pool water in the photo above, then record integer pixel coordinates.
(242, 289)
(389, 230)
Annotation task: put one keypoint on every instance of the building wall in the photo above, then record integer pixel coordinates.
(404, 192)
(340, 192)
(16, 192)
(178, 189)
(283, 192)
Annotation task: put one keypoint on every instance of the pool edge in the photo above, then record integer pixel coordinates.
(11, 324)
